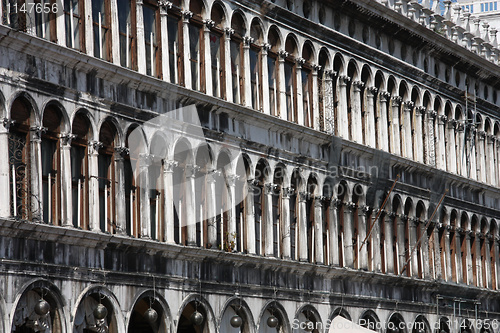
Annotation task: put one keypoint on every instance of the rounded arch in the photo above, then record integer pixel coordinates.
(421, 325)
(369, 319)
(82, 118)
(366, 75)
(443, 326)
(159, 145)
(380, 81)
(353, 70)
(409, 207)
(340, 312)
(493, 228)
(396, 323)
(324, 58)
(308, 52)
(308, 317)
(52, 107)
(274, 38)
(391, 86)
(30, 293)
(218, 14)
(339, 64)
(291, 45)
(142, 302)
(239, 23)
(403, 90)
(236, 306)
(194, 303)
(397, 204)
(198, 7)
(274, 308)
(28, 102)
(87, 301)
(110, 132)
(257, 30)
(416, 96)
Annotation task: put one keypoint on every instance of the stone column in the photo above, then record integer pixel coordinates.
(496, 262)
(468, 258)
(231, 182)
(471, 165)
(447, 264)
(370, 140)
(461, 163)
(348, 234)
(400, 239)
(314, 97)
(285, 223)
(418, 145)
(356, 121)
(487, 261)
(458, 257)
(60, 25)
(145, 213)
(267, 212)
(228, 71)
(395, 134)
(250, 215)
(441, 157)
(389, 242)
(186, 16)
(362, 256)
(212, 176)
(115, 33)
(165, 68)
(482, 154)
(376, 259)
(407, 138)
(302, 223)
(382, 130)
(282, 87)
(168, 211)
(342, 115)
(36, 173)
(65, 174)
(190, 206)
(5, 169)
(328, 103)
(318, 230)
(121, 216)
(298, 92)
(333, 229)
(490, 160)
(207, 25)
(430, 139)
(89, 27)
(94, 223)
(247, 79)
(264, 80)
(412, 266)
(451, 159)
(141, 41)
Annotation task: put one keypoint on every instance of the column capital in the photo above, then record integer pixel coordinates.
(122, 151)
(96, 145)
(252, 182)
(358, 84)
(481, 135)
(186, 15)
(228, 32)
(432, 114)
(491, 138)
(38, 131)
(318, 201)
(300, 61)
(209, 24)
(212, 174)
(408, 106)
(145, 160)
(372, 89)
(231, 179)
(282, 54)
(169, 165)
(7, 123)
(191, 170)
(351, 206)
(344, 79)
(303, 196)
(286, 192)
(247, 40)
(336, 203)
(316, 68)
(396, 100)
(459, 126)
(330, 73)
(443, 119)
(164, 4)
(266, 47)
(384, 96)
(66, 138)
(392, 214)
(421, 110)
(452, 123)
(270, 188)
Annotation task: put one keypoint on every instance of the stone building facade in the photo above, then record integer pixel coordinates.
(322, 159)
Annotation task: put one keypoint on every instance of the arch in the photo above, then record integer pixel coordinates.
(421, 325)
(87, 301)
(257, 31)
(380, 81)
(198, 7)
(274, 38)
(274, 308)
(142, 302)
(30, 293)
(366, 75)
(353, 70)
(340, 312)
(28, 102)
(369, 319)
(291, 45)
(218, 14)
(236, 306)
(194, 303)
(324, 58)
(110, 125)
(398, 323)
(308, 318)
(239, 23)
(339, 63)
(403, 90)
(54, 106)
(308, 52)
(391, 86)
(416, 96)
(443, 325)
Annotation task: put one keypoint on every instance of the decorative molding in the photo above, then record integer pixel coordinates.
(165, 4)
(300, 61)
(7, 123)
(209, 24)
(228, 32)
(67, 138)
(283, 54)
(122, 151)
(168, 166)
(247, 40)
(186, 15)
